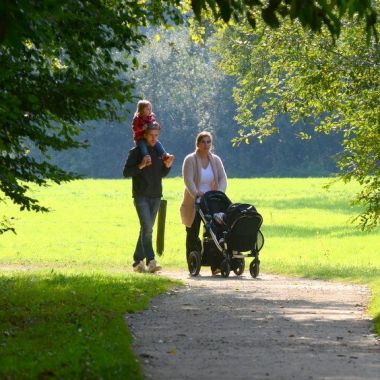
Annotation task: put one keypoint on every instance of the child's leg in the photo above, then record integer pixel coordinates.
(160, 149)
(143, 148)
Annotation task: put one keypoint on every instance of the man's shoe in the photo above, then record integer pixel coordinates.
(153, 266)
(140, 267)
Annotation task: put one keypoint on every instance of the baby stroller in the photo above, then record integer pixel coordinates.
(231, 232)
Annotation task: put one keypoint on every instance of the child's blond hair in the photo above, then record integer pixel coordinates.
(141, 104)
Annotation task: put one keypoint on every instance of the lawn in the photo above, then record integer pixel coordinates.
(87, 243)
(70, 326)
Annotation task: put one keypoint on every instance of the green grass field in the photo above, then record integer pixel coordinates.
(87, 243)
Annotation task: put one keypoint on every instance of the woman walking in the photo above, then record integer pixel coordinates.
(202, 171)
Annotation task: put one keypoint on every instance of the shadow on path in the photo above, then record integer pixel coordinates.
(240, 328)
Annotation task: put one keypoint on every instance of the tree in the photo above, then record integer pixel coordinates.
(332, 88)
(190, 94)
(59, 69)
(183, 84)
(61, 66)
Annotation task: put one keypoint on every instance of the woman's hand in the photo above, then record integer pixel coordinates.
(198, 196)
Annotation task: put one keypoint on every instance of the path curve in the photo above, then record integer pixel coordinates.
(269, 328)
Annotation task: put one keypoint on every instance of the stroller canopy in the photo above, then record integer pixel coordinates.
(213, 202)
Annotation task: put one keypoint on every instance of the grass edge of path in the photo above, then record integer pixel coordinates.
(70, 325)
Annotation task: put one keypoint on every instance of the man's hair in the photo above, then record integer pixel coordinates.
(151, 126)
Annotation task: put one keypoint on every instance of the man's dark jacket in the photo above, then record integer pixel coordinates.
(147, 181)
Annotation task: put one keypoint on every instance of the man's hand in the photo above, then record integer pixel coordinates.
(146, 161)
(168, 162)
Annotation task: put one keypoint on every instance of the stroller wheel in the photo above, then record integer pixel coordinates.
(239, 266)
(225, 268)
(254, 267)
(194, 263)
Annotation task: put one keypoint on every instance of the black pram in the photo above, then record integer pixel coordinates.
(231, 233)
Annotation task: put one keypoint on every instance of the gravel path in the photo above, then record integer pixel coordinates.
(269, 328)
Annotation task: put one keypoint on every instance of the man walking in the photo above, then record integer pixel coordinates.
(147, 173)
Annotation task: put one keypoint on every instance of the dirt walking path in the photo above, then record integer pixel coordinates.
(269, 328)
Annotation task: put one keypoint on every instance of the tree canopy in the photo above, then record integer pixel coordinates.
(332, 88)
(59, 69)
(190, 93)
(310, 14)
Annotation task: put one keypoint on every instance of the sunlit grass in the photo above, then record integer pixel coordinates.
(93, 228)
(94, 223)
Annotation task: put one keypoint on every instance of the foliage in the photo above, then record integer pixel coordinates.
(60, 67)
(332, 87)
(185, 87)
(62, 64)
(71, 325)
(190, 93)
(311, 14)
